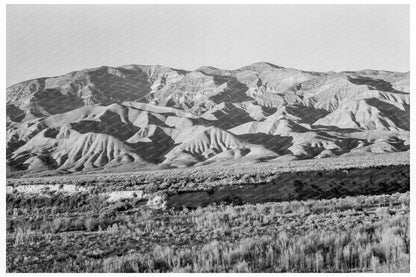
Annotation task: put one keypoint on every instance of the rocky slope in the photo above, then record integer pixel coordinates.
(160, 116)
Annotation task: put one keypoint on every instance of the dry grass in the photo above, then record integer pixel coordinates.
(352, 234)
(382, 247)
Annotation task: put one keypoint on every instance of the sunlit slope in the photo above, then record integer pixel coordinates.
(156, 115)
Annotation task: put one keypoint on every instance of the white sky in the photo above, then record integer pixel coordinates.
(49, 40)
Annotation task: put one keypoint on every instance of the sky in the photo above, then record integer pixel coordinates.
(50, 40)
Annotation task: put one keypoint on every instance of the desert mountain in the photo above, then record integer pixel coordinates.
(156, 115)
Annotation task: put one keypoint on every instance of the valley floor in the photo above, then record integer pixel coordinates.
(343, 220)
(352, 234)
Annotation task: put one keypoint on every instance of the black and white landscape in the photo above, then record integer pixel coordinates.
(154, 116)
(144, 140)
(264, 168)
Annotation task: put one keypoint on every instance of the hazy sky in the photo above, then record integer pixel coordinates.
(49, 40)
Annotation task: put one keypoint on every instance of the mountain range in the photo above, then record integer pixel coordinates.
(156, 116)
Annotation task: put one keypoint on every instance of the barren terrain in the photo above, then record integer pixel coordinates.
(259, 169)
(140, 117)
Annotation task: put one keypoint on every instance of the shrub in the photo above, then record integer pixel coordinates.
(91, 224)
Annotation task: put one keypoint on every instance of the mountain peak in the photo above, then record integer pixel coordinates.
(207, 67)
(265, 66)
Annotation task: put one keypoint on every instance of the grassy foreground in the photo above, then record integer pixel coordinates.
(89, 234)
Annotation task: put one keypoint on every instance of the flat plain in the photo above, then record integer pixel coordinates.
(345, 219)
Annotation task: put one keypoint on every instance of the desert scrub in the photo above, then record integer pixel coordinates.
(351, 234)
(380, 247)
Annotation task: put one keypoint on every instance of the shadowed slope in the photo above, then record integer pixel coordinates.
(160, 115)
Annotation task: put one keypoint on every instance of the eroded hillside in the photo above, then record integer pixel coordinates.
(158, 116)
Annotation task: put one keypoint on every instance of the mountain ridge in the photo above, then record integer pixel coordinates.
(152, 114)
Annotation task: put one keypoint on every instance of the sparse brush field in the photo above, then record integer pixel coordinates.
(349, 219)
(83, 232)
